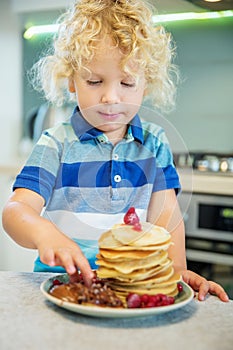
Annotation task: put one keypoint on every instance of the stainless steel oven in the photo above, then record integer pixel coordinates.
(209, 227)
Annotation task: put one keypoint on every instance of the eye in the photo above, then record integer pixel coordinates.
(94, 82)
(128, 84)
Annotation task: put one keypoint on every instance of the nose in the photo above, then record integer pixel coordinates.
(110, 95)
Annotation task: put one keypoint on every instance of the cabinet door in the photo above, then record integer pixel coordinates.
(12, 256)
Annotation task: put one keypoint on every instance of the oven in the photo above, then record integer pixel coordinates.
(209, 227)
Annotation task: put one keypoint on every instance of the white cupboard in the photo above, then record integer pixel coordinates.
(12, 256)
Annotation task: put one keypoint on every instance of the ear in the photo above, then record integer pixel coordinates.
(71, 85)
(145, 93)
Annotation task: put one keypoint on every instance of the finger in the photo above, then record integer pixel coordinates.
(48, 257)
(84, 266)
(203, 289)
(223, 296)
(65, 259)
(194, 280)
(218, 290)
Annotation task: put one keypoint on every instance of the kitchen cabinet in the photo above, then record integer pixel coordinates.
(206, 202)
(12, 257)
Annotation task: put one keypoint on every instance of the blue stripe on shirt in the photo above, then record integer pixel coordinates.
(84, 174)
(29, 176)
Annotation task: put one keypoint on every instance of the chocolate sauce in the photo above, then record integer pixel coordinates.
(99, 294)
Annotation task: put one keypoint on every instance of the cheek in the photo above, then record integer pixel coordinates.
(136, 97)
(87, 104)
(87, 98)
(82, 99)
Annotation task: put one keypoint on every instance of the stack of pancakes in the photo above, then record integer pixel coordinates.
(136, 261)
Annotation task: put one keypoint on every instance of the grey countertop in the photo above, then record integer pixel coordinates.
(29, 321)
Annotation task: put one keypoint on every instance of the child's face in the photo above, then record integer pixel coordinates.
(108, 98)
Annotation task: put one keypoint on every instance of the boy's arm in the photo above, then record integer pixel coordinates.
(164, 211)
(22, 221)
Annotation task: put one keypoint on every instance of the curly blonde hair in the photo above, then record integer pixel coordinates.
(130, 26)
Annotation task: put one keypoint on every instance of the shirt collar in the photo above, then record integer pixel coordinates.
(86, 131)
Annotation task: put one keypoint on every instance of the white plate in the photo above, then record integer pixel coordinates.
(181, 300)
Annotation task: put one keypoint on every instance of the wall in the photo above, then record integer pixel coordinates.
(10, 82)
(204, 112)
(22, 6)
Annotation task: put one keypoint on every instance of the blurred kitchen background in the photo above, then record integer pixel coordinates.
(200, 128)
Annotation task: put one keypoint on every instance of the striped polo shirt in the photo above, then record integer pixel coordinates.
(88, 183)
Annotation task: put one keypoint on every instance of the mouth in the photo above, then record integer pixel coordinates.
(110, 115)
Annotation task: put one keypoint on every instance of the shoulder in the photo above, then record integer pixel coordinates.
(153, 132)
(61, 132)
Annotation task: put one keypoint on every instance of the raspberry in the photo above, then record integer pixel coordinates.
(171, 300)
(150, 304)
(154, 300)
(163, 300)
(180, 287)
(158, 299)
(133, 300)
(145, 299)
(56, 282)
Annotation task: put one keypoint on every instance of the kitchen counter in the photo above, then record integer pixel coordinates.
(206, 182)
(29, 321)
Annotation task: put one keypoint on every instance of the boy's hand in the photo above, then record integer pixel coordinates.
(200, 284)
(62, 251)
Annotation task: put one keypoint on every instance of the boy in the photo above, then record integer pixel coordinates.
(86, 173)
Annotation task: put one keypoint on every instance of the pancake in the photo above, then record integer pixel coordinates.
(125, 254)
(137, 275)
(168, 291)
(128, 266)
(107, 242)
(129, 252)
(126, 234)
(134, 259)
(156, 278)
(150, 235)
(150, 283)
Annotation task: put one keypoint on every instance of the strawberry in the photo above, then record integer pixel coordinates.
(137, 226)
(131, 217)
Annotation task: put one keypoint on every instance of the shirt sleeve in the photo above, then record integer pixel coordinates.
(166, 173)
(41, 168)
